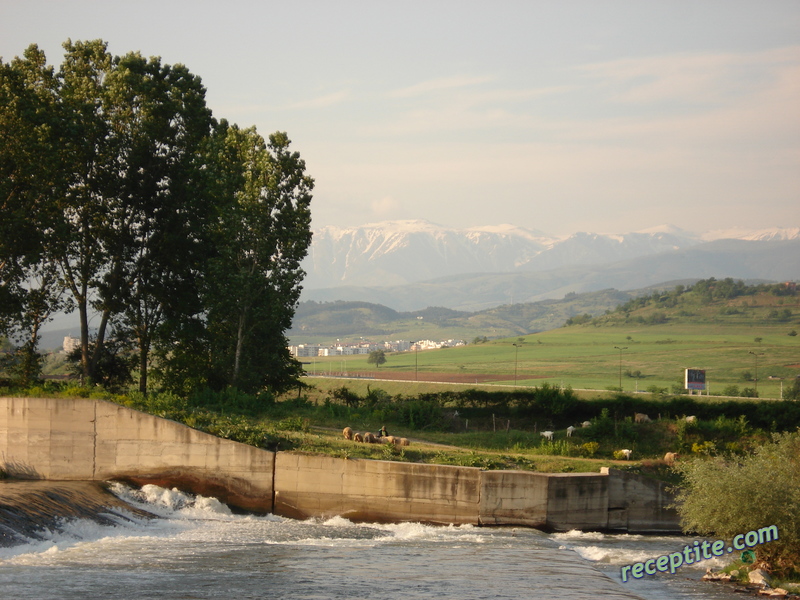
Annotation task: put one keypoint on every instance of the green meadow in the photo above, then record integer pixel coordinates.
(587, 357)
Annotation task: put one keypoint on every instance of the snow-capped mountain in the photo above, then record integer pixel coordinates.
(760, 235)
(403, 252)
(398, 252)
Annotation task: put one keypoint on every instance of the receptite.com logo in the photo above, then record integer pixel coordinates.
(700, 550)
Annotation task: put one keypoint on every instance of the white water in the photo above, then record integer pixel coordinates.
(198, 549)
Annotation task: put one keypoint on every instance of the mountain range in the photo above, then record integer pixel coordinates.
(410, 265)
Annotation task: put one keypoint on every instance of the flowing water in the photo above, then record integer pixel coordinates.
(198, 549)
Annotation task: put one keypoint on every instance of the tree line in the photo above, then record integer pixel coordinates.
(173, 235)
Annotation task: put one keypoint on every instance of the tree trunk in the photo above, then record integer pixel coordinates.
(239, 345)
(143, 347)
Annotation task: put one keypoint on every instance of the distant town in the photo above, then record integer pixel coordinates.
(309, 350)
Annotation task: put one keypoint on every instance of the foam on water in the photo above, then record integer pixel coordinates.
(197, 544)
(626, 549)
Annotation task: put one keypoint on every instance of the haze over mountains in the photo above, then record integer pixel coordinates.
(409, 265)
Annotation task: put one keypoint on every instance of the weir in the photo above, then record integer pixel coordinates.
(94, 440)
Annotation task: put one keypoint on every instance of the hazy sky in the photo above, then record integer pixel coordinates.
(562, 116)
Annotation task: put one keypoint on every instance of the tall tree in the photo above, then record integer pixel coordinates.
(160, 120)
(30, 174)
(79, 241)
(261, 234)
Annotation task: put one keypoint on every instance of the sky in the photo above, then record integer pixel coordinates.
(559, 116)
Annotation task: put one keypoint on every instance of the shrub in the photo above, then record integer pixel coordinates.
(729, 496)
(589, 449)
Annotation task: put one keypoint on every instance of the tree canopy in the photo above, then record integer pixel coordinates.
(377, 358)
(122, 198)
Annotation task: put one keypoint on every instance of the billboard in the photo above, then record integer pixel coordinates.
(695, 379)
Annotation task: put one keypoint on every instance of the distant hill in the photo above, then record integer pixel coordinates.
(328, 321)
(707, 301)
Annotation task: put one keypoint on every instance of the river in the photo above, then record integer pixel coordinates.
(198, 549)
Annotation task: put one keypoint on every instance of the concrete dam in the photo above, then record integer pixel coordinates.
(93, 440)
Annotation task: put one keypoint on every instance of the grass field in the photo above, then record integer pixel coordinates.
(586, 357)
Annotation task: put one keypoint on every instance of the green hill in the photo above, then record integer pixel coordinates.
(744, 336)
(328, 321)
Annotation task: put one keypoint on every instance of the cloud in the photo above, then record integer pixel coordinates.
(437, 85)
(690, 78)
(384, 206)
(320, 101)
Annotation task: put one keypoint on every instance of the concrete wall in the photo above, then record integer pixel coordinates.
(375, 490)
(84, 439)
(638, 504)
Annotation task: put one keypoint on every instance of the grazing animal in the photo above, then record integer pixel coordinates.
(691, 419)
(586, 424)
(369, 438)
(357, 437)
(570, 429)
(548, 435)
(404, 442)
(389, 439)
(626, 453)
(641, 418)
(671, 457)
(347, 433)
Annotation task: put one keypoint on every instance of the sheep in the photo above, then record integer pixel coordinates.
(586, 424)
(357, 437)
(389, 439)
(641, 418)
(626, 453)
(404, 442)
(570, 429)
(369, 438)
(548, 435)
(347, 433)
(692, 419)
(671, 457)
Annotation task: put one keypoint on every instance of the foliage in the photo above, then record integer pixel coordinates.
(122, 197)
(113, 367)
(260, 233)
(377, 358)
(729, 496)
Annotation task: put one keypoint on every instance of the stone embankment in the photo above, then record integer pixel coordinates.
(93, 440)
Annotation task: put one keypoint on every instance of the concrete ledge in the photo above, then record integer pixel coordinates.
(93, 440)
(374, 490)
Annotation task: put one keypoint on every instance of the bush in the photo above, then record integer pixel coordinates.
(729, 496)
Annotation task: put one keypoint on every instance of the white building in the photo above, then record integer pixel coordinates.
(70, 344)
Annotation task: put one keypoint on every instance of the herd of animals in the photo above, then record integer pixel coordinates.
(383, 438)
(669, 457)
(371, 438)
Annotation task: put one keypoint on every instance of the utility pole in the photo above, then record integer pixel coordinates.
(755, 356)
(516, 354)
(620, 364)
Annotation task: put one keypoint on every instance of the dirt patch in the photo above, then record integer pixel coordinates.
(464, 378)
